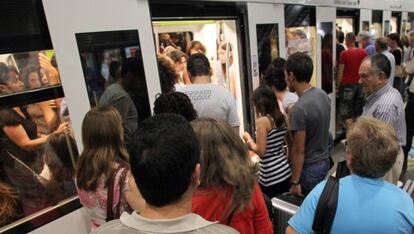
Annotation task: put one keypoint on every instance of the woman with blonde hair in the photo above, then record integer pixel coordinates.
(103, 171)
(228, 182)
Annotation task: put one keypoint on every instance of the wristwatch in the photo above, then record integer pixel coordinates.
(294, 183)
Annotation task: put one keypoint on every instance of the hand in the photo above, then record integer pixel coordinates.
(63, 128)
(44, 63)
(296, 190)
(246, 137)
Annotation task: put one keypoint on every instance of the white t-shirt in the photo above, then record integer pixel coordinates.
(212, 101)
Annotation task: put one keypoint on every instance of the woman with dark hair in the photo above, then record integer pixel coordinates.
(196, 47)
(274, 77)
(175, 102)
(228, 190)
(179, 60)
(168, 74)
(270, 145)
(102, 164)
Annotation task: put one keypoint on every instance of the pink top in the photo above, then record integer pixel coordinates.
(94, 202)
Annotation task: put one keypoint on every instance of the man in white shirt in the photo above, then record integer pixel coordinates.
(210, 101)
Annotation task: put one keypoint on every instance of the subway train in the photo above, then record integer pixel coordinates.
(71, 44)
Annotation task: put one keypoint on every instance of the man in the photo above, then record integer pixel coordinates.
(116, 95)
(351, 98)
(364, 42)
(339, 44)
(166, 169)
(383, 102)
(309, 122)
(381, 47)
(409, 108)
(210, 101)
(366, 203)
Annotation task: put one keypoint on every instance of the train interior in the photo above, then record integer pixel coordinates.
(179, 34)
(64, 61)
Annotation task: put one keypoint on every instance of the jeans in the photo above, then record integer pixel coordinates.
(409, 120)
(351, 101)
(313, 174)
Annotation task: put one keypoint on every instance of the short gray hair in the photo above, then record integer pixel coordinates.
(364, 35)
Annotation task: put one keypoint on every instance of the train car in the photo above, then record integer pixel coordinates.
(69, 45)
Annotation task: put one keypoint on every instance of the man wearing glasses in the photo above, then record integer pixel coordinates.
(383, 102)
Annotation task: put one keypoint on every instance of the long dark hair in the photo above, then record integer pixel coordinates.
(266, 104)
(103, 146)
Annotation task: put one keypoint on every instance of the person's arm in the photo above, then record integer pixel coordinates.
(298, 156)
(186, 77)
(232, 82)
(51, 117)
(340, 75)
(133, 196)
(289, 144)
(259, 147)
(290, 230)
(18, 135)
(44, 63)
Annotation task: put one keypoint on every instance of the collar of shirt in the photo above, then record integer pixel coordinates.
(374, 96)
(181, 224)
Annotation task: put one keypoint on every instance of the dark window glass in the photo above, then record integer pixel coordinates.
(267, 44)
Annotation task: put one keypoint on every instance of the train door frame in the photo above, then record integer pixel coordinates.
(398, 16)
(184, 10)
(63, 27)
(355, 13)
(327, 15)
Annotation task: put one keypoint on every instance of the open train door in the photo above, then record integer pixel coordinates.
(266, 34)
(326, 56)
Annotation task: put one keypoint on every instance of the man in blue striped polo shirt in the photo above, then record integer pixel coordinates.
(383, 102)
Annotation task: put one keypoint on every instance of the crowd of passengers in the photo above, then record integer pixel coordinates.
(187, 170)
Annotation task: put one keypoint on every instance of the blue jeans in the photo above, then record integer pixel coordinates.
(313, 174)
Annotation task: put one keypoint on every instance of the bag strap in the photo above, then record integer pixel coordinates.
(121, 188)
(326, 208)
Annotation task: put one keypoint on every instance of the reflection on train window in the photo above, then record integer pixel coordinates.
(37, 159)
(376, 27)
(174, 40)
(102, 56)
(326, 33)
(300, 32)
(28, 70)
(386, 27)
(217, 39)
(267, 44)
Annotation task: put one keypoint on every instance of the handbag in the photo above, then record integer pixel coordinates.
(110, 215)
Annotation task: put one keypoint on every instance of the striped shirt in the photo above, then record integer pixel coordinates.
(274, 167)
(387, 105)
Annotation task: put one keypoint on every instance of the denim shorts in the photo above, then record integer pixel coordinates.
(351, 101)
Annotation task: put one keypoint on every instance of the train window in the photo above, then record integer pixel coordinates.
(376, 27)
(300, 23)
(365, 26)
(267, 44)
(410, 22)
(386, 27)
(37, 158)
(102, 55)
(35, 70)
(326, 33)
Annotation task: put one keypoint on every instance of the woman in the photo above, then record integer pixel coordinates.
(228, 191)
(19, 149)
(270, 145)
(180, 64)
(177, 103)
(224, 70)
(104, 162)
(196, 47)
(274, 77)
